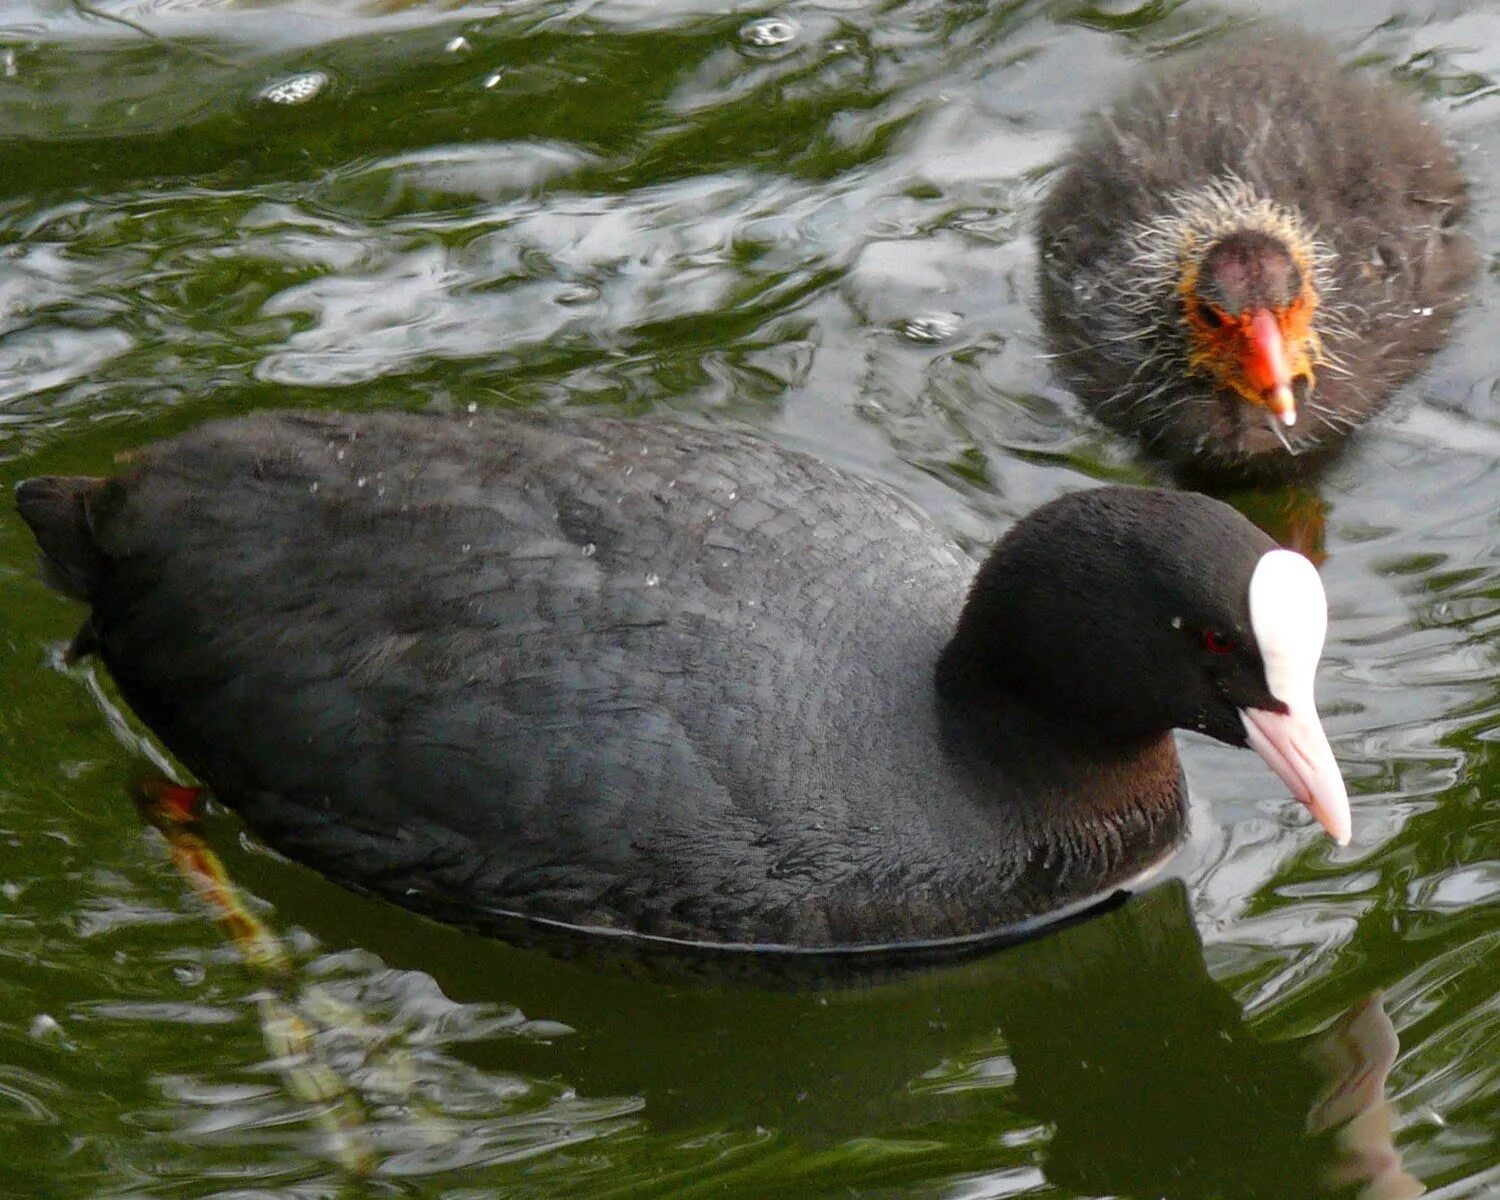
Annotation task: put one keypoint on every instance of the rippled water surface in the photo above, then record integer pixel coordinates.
(809, 220)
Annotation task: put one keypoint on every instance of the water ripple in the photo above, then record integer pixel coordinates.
(809, 219)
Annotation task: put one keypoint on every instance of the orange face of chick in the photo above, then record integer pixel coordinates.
(1248, 304)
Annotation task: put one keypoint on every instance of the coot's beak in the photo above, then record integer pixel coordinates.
(1268, 366)
(1289, 615)
(1296, 748)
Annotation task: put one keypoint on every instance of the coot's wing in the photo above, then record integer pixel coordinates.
(576, 670)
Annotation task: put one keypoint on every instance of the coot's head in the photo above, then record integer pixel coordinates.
(1127, 612)
(1239, 282)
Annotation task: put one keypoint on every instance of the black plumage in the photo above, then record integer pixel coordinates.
(649, 679)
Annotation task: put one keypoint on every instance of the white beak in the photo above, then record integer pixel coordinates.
(1289, 615)
(1296, 748)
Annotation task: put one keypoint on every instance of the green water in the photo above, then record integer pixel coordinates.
(809, 220)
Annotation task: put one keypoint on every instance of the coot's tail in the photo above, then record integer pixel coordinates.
(58, 508)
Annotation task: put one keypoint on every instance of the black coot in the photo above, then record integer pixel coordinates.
(1244, 255)
(676, 683)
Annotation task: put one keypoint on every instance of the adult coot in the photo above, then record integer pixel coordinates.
(679, 683)
(1243, 256)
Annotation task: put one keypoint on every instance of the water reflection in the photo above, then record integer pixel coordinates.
(1134, 1071)
(636, 206)
(1296, 516)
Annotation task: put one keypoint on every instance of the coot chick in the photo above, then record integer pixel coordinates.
(681, 684)
(1245, 255)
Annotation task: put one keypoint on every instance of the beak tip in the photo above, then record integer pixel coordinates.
(1336, 819)
(1294, 746)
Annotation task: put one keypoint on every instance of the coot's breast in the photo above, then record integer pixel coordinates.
(607, 674)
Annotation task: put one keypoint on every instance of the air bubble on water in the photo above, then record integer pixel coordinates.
(930, 327)
(652, 580)
(577, 293)
(769, 33)
(295, 89)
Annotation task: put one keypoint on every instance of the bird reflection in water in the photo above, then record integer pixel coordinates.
(1355, 1058)
(1143, 1072)
(1155, 1084)
(1295, 515)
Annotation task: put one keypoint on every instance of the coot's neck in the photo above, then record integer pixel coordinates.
(1040, 677)
(1094, 807)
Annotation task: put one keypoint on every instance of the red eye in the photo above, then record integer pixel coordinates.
(1217, 643)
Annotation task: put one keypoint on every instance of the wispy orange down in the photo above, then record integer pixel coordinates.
(1258, 352)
